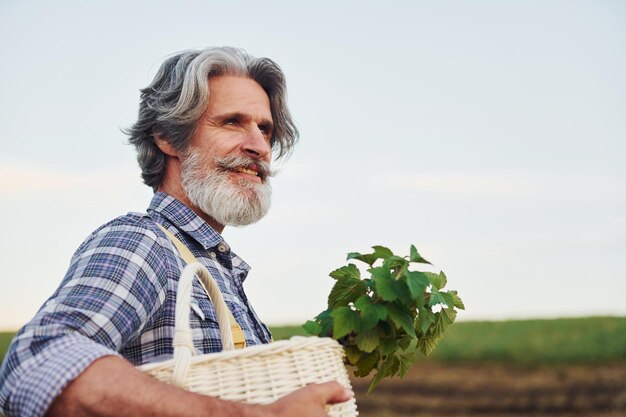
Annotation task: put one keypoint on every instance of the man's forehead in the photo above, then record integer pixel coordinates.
(237, 94)
(234, 82)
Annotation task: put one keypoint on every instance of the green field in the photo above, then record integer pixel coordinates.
(563, 341)
(526, 342)
(5, 339)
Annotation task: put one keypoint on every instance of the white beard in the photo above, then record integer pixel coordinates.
(229, 201)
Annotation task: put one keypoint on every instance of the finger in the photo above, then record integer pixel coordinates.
(333, 392)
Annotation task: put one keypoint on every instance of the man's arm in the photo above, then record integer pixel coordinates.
(110, 292)
(111, 386)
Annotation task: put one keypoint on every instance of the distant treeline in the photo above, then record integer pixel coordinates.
(527, 342)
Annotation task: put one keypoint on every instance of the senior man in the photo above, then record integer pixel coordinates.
(207, 126)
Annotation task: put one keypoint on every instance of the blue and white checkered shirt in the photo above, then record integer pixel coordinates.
(118, 298)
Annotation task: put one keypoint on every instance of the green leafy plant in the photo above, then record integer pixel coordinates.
(384, 320)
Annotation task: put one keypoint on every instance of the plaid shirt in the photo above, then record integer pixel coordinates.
(118, 298)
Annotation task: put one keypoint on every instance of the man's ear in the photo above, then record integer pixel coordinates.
(164, 145)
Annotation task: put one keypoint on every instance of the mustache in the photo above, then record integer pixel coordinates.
(232, 162)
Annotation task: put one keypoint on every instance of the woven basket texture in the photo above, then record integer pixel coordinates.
(258, 374)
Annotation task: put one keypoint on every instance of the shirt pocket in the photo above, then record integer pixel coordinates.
(209, 325)
(202, 310)
(196, 309)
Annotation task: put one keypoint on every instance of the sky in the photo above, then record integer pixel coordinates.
(489, 134)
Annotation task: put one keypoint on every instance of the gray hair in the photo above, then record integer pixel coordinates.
(179, 94)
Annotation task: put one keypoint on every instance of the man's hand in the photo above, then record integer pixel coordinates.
(111, 386)
(309, 401)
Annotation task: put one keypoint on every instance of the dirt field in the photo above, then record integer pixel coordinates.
(432, 390)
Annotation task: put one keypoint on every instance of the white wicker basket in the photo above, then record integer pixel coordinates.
(257, 374)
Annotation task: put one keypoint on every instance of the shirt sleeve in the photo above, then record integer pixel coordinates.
(107, 296)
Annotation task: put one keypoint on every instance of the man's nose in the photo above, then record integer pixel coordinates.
(257, 144)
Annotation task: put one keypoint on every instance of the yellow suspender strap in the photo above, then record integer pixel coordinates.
(238, 337)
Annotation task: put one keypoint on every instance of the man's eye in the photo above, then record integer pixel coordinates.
(231, 122)
(266, 130)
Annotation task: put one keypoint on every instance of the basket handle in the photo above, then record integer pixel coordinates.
(183, 340)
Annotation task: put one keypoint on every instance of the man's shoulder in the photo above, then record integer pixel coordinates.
(126, 246)
(131, 221)
(127, 230)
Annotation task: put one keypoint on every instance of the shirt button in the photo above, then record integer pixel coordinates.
(213, 255)
(222, 247)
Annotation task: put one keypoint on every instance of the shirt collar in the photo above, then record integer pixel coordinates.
(183, 218)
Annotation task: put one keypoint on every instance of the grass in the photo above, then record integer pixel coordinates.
(5, 340)
(285, 332)
(528, 342)
(559, 341)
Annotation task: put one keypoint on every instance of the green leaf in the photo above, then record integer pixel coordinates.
(441, 298)
(388, 368)
(417, 283)
(444, 279)
(406, 360)
(392, 366)
(425, 318)
(395, 262)
(371, 312)
(450, 314)
(443, 319)
(405, 294)
(366, 364)
(427, 344)
(367, 340)
(375, 381)
(348, 271)
(387, 329)
(401, 318)
(382, 252)
(369, 284)
(456, 300)
(387, 345)
(416, 257)
(405, 341)
(346, 321)
(323, 315)
(386, 287)
(353, 354)
(346, 290)
(369, 258)
(312, 328)
(326, 321)
(437, 280)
